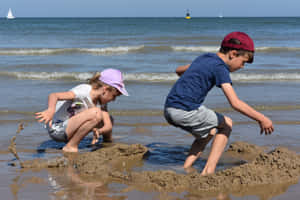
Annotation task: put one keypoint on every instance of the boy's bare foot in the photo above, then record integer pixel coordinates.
(70, 149)
(207, 171)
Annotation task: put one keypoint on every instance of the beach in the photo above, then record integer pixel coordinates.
(44, 55)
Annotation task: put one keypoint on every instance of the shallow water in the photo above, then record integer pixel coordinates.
(40, 56)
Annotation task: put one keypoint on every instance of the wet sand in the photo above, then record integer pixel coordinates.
(260, 171)
(113, 163)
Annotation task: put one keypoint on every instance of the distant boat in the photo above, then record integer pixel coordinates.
(188, 16)
(9, 14)
(220, 15)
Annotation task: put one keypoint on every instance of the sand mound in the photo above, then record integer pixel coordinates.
(114, 163)
(276, 167)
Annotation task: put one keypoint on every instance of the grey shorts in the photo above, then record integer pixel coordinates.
(197, 122)
(58, 131)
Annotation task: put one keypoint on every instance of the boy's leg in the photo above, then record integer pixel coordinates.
(218, 146)
(79, 126)
(197, 148)
(196, 122)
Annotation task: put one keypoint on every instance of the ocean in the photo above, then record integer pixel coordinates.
(43, 55)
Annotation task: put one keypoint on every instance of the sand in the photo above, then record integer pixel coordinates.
(115, 163)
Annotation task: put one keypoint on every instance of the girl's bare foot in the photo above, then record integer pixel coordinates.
(70, 149)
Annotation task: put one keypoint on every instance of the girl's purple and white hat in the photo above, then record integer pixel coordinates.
(114, 78)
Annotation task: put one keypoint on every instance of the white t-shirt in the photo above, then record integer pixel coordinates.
(68, 108)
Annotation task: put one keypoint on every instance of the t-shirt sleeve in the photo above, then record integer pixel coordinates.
(81, 91)
(222, 75)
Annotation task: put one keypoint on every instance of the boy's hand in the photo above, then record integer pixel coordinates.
(266, 126)
(45, 116)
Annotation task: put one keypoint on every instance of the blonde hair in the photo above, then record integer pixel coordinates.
(96, 83)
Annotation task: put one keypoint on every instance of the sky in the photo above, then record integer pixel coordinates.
(150, 8)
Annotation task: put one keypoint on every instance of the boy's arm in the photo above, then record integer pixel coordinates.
(47, 115)
(105, 130)
(181, 69)
(239, 105)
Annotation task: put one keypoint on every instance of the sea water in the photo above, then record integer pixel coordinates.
(43, 55)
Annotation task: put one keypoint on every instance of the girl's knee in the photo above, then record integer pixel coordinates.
(96, 114)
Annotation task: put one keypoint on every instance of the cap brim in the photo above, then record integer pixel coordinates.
(123, 91)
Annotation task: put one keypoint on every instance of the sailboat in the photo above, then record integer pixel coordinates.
(187, 16)
(9, 14)
(220, 15)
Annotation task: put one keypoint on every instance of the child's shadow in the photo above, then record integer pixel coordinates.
(85, 144)
(167, 154)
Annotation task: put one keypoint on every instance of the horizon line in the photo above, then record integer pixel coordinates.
(157, 17)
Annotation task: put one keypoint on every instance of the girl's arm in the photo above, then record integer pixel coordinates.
(47, 115)
(239, 105)
(105, 130)
(181, 69)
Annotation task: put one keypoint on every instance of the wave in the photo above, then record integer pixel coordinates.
(277, 49)
(47, 75)
(196, 48)
(216, 48)
(279, 76)
(53, 51)
(83, 76)
(129, 49)
(148, 77)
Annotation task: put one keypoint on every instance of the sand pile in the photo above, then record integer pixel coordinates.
(277, 167)
(114, 163)
(102, 161)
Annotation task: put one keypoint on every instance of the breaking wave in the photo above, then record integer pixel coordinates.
(147, 77)
(50, 51)
(129, 49)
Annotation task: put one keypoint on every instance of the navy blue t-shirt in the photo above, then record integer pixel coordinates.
(190, 90)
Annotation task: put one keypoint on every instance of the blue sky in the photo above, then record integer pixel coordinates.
(149, 8)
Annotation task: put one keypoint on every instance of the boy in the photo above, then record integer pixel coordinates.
(184, 105)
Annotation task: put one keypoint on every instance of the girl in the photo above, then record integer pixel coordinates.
(72, 115)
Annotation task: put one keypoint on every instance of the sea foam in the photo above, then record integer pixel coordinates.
(147, 77)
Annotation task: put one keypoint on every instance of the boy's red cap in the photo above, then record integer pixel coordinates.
(246, 43)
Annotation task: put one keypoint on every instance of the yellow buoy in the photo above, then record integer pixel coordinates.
(187, 16)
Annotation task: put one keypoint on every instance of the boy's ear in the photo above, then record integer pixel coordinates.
(232, 54)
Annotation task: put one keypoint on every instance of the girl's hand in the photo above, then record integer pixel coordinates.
(45, 116)
(266, 126)
(96, 135)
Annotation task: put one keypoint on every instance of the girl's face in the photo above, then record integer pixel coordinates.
(109, 95)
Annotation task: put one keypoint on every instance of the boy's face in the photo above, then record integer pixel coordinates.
(236, 61)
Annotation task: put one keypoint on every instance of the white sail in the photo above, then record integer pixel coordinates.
(10, 15)
(220, 15)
